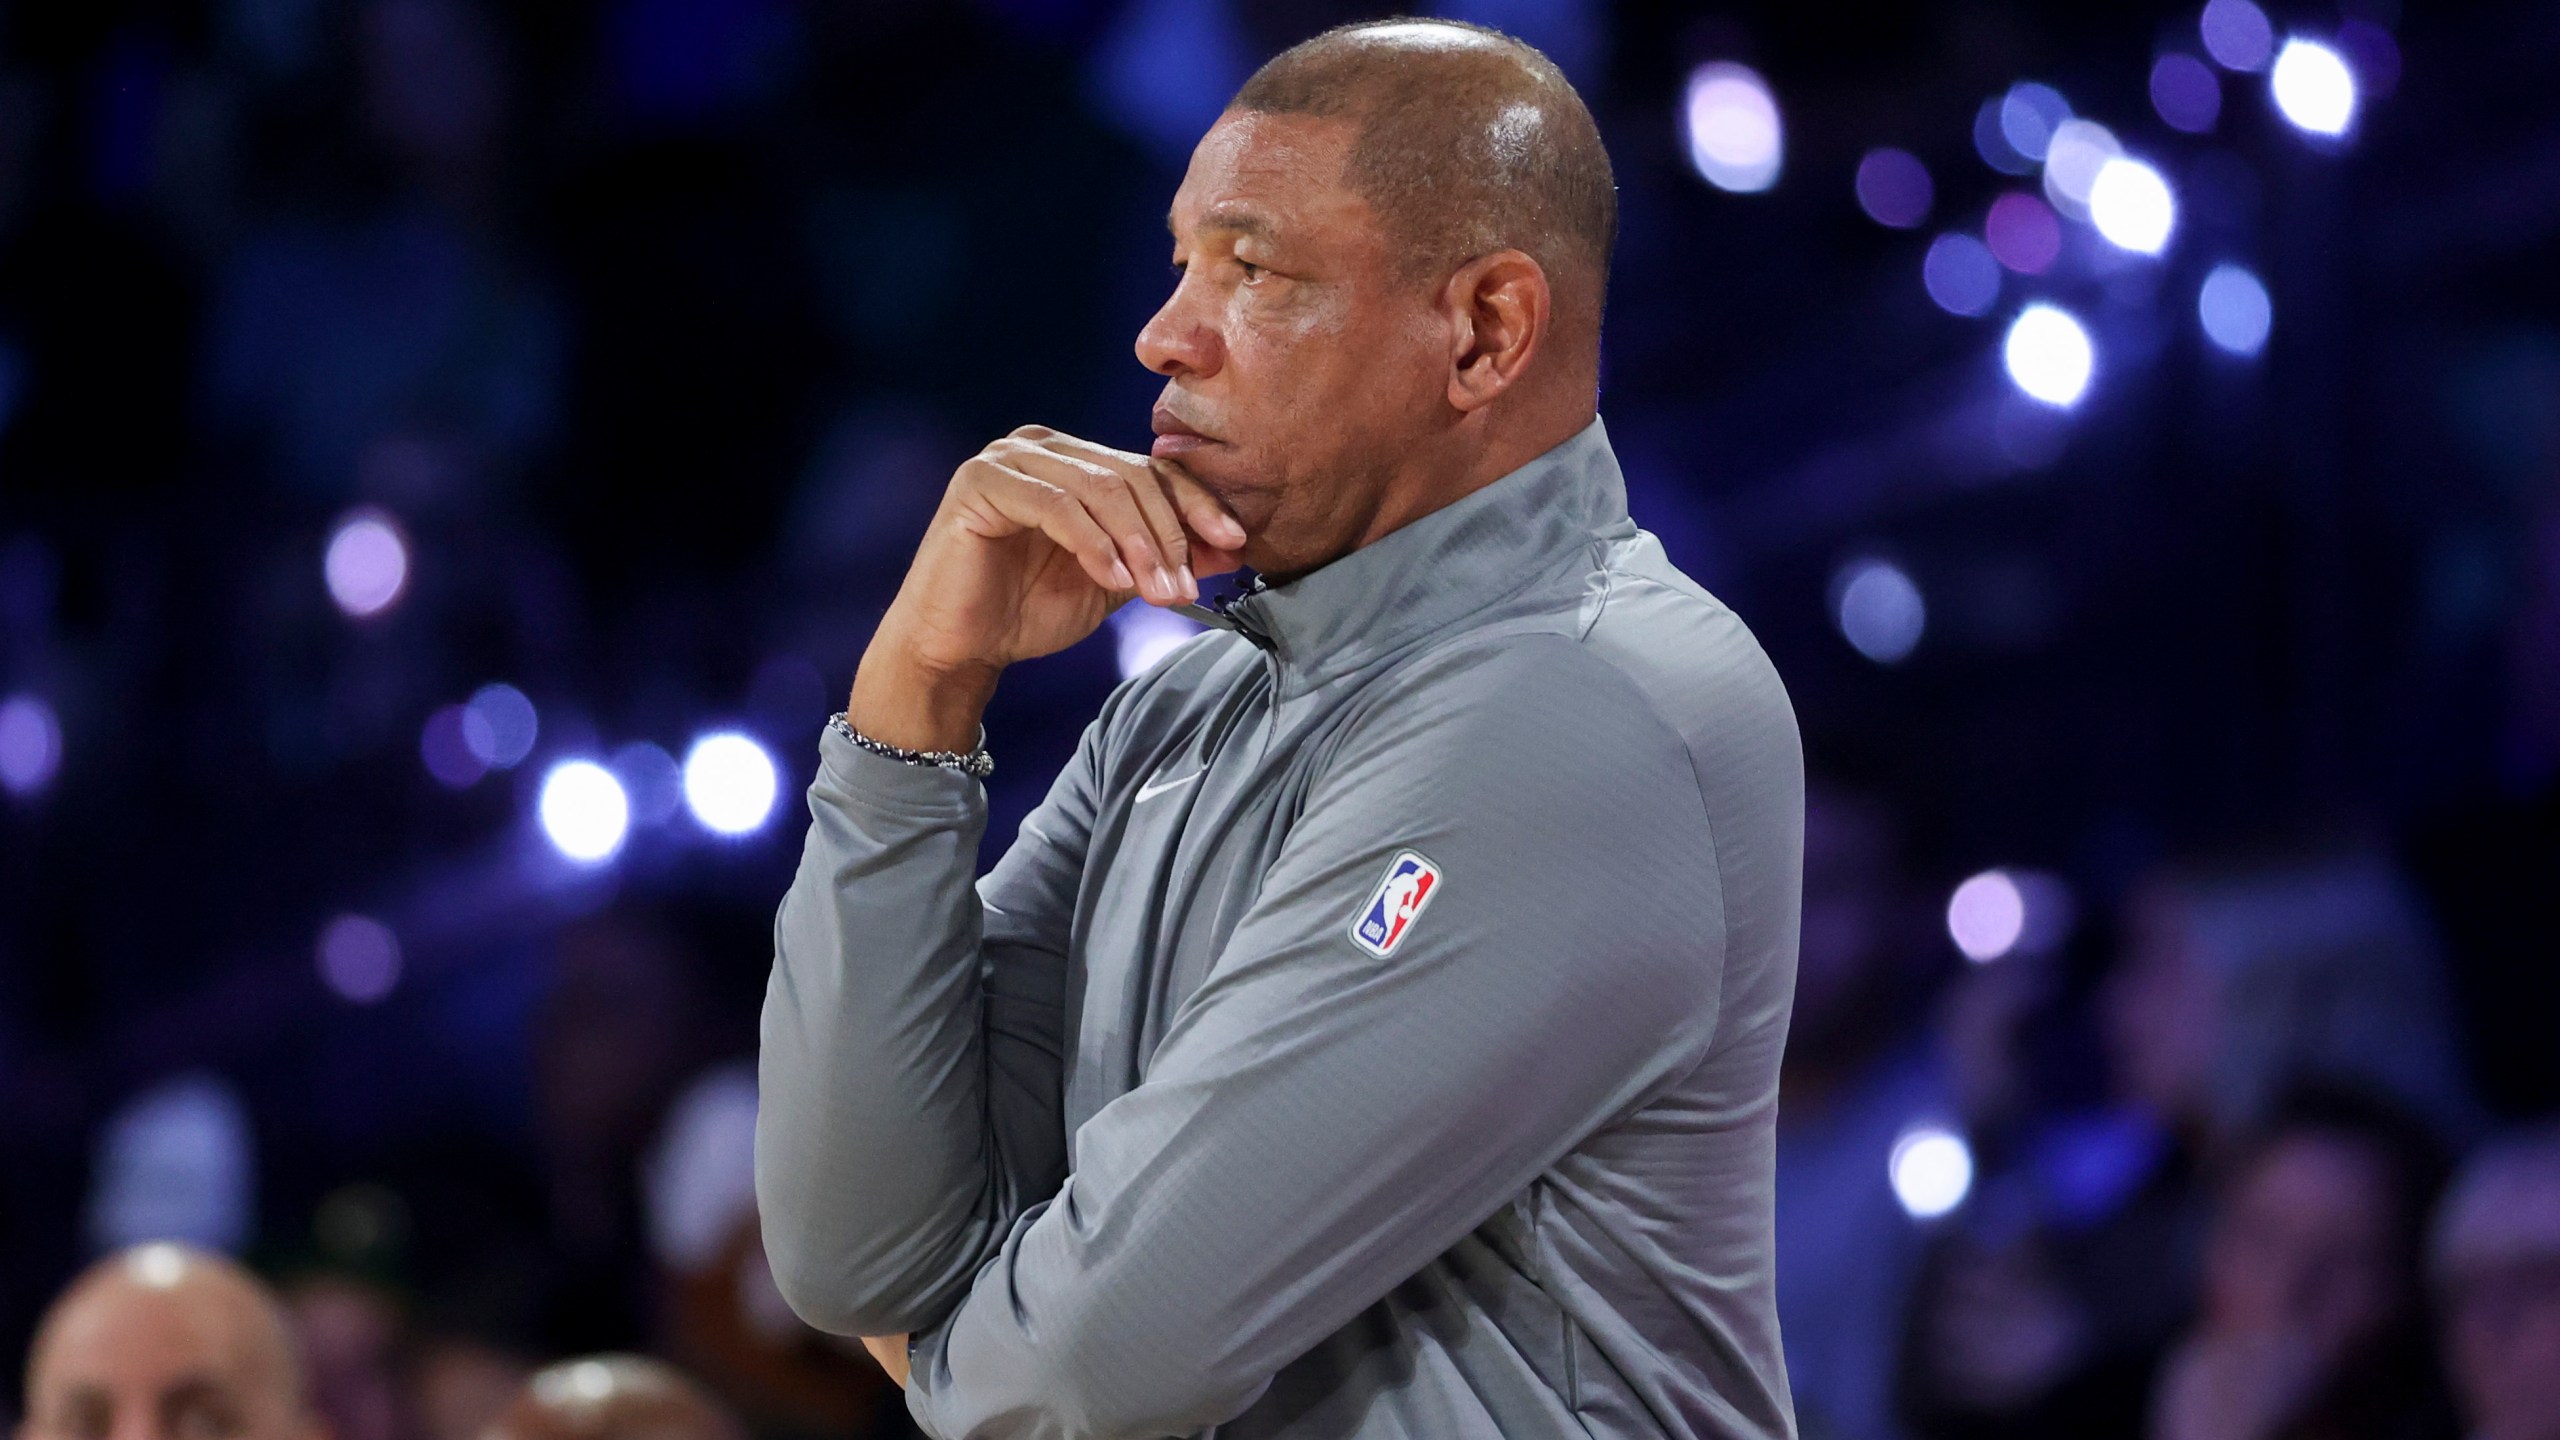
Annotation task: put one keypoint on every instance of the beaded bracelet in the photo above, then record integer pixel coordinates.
(977, 763)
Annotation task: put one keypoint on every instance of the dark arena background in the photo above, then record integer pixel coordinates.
(453, 452)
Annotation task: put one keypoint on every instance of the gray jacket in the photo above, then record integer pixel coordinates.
(1374, 1033)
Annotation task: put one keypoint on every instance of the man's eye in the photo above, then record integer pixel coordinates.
(1252, 272)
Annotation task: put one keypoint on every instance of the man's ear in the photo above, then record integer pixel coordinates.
(1499, 307)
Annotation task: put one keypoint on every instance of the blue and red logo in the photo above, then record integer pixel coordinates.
(1409, 884)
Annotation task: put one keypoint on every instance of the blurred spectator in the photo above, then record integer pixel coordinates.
(2311, 1323)
(723, 1316)
(2495, 1258)
(2045, 1306)
(2238, 977)
(612, 1044)
(350, 1336)
(1858, 1070)
(614, 1397)
(458, 1386)
(162, 1342)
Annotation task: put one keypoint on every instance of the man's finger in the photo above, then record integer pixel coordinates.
(1036, 502)
(1112, 502)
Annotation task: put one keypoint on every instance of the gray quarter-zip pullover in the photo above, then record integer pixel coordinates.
(1374, 1033)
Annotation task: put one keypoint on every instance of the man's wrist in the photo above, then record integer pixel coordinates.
(899, 698)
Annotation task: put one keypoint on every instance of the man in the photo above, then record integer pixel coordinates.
(2495, 1258)
(166, 1342)
(614, 1397)
(1376, 1030)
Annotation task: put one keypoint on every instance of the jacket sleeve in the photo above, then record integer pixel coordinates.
(1322, 1121)
(910, 1073)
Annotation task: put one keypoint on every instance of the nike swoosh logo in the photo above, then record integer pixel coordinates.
(1153, 788)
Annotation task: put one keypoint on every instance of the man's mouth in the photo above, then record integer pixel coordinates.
(1174, 439)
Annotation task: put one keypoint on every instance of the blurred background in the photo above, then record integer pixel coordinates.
(453, 452)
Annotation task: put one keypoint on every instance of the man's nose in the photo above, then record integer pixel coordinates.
(1176, 342)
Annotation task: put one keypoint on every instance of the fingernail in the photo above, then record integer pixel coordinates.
(1190, 586)
(1120, 577)
(1233, 528)
(1164, 584)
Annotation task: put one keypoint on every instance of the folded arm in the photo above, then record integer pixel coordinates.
(1321, 1121)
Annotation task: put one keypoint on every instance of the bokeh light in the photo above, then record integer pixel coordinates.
(2028, 115)
(1986, 915)
(367, 564)
(2186, 93)
(2236, 34)
(359, 958)
(1993, 145)
(584, 811)
(1894, 187)
(2048, 355)
(30, 744)
(651, 779)
(447, 751)
(499, 724)
(2372, 55)
(1931, 1168)
(729, 783)
(1961, 274)
(2023, 233)
(1142, 635)
(2080, 149)
(2233, 307)
(1879, 610)
(1735, 138)
(2131, 206)
(2314, 88)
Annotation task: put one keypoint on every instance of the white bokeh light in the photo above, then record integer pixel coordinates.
(1986, 915)
(2131, 205)
(2048, 355)
(1142, 635)
(1879, 610)
(584, 811)
(1731, 123)
(2233, 307)
(367, 564)
(729, 783)
(2314, 88)
(30, 744)
(2080, 149)
(1931, 1168)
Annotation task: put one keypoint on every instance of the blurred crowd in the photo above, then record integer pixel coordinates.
(653, 327)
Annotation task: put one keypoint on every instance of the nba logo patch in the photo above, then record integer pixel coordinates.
(1397, 902)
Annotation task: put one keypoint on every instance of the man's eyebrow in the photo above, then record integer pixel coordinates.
(1233, 218)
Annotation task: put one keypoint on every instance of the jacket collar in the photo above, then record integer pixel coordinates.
(1439, 569)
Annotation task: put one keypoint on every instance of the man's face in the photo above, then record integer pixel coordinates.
(1303, 365)
(136, 1362)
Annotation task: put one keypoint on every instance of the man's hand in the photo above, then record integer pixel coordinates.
(1039, 538)
(891, 1352)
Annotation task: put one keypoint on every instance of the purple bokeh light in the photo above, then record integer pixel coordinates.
(447, 750)
(359, 958)
(2373, 55)
(30, 744)
(2237, 34)
(1894, 187)
(1961, 275)
(367, 565)
(2186, 93)
(2023, 233)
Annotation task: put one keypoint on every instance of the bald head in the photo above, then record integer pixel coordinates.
(1469, 142)
(165, 1342)
(614, 1397)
